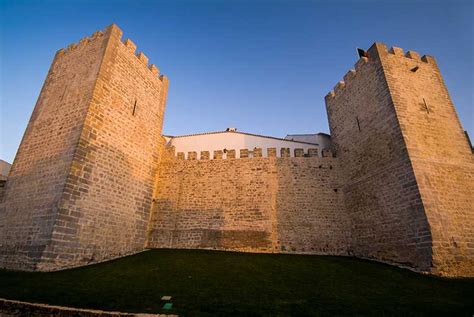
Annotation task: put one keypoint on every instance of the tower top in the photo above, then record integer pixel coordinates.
(113, 28)
(373, 54)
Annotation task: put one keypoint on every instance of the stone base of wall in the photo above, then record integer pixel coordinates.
(10, 308)
(23, 263)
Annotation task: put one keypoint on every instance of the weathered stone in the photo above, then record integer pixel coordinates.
(231, 154)
(245, 201)
(257, 152)
(218, 155)
(91, 148)
(271, 152)
(312, 152)
(396, 185)
(407, 166)
(285, 152)
(299, 152)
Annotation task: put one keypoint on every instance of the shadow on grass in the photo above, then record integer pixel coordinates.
(227, 283)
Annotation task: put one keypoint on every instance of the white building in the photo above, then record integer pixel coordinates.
(231, 139)
(323, 139)
(4, 169)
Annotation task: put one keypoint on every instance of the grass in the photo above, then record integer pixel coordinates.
(209, 283)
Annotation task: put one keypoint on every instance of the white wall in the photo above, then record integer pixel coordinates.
(324, 140)
(234, 141)
(4, 169)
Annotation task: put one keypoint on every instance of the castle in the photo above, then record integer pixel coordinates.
(95, 179)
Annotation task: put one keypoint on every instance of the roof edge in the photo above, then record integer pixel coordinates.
(238, 132)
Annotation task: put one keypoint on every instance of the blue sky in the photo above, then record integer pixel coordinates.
(261, 66)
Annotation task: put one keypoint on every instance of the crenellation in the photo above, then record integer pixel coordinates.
(132, 48)
(313, 152)
(299, 152)
(143, 58)
(327, 153)
(271, 152)
(349, 76)
(396, 51)
(257, 152)
(285, 152)
(412, 174)
(244, 153)
(330, 95)
(59, 53)
(72, 47)
(130, 45)
(82, 42)
(413, 55)
(72, 161)
(218, 154)
(97, 34)
(376, 50)
(231, 154)
(374, 53)
(386, 187)
(339, 87)
(164, 79)
(428, 59)
(204, 155)
(154, 69)
(361, 62)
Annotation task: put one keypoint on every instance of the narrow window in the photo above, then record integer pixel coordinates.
(134, 108)
(427, 109)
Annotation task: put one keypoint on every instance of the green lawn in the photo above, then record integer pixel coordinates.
(226, 283)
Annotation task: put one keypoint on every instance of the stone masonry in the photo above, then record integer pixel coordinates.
(260, 204)
(81, 185)
(93, 179)
(444, 174)
(409, 195)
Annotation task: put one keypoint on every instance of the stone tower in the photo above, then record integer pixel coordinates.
(408, 166)
(80, 189)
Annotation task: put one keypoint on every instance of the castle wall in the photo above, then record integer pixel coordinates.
(409, 195)
(97, 197)
(106, 204)
(381, 194)
(92, 179)
(219, 141)
(251, 204)
(444, 174)
(37, 177)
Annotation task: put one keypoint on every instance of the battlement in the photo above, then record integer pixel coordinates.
(95, 164)
(373, 54)
(82, 42)
(378, 49)
(132, 48)
(255, 153)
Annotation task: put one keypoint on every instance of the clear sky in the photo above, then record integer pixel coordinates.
(261, 66)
